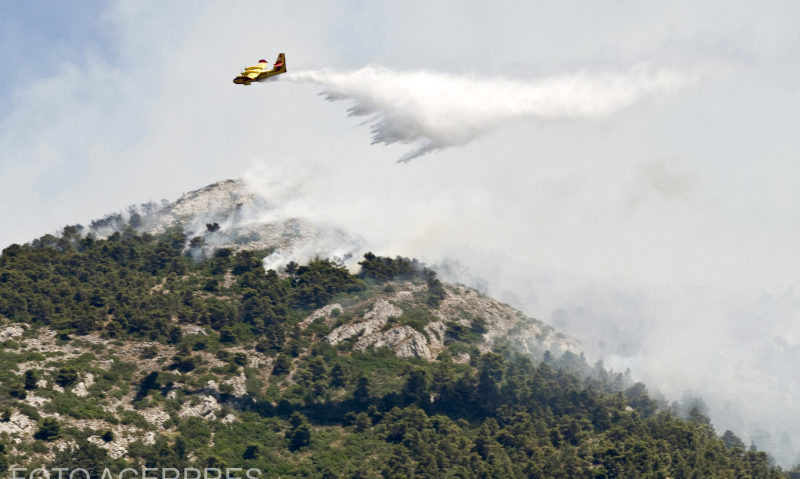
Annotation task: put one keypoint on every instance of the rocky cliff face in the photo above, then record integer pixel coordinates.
(227, 214)
(397, 319)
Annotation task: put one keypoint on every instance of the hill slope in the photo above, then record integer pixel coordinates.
(147, 346)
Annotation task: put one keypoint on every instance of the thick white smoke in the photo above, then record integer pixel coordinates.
(736, 347)
(437, 110)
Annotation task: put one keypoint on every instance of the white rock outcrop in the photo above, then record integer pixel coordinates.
(36, 401)
(323, 312)
(238, 383)
(9, 332)
(17, 424)
(155, 416)
(460, 305)
(81, 389)
(207, 408)
(372, 323)
(502, 322)
(193, 329)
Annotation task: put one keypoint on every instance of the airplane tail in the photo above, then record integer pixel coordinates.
(280, 63)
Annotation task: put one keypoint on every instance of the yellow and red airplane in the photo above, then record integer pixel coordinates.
(261, 71)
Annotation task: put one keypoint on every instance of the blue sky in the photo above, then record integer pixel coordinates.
(668, 225)
(41, 32)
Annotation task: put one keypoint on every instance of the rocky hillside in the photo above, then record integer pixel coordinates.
(104, 392)
(158, 338)
(227, 215)
(390, 319)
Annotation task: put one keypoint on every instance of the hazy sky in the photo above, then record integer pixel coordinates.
(664, 232)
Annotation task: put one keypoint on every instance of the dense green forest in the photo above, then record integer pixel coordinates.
(324, 410)
(77, 284)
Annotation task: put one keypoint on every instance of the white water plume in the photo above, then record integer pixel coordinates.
(438, 110)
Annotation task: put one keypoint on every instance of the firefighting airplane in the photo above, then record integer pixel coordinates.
(261, 71)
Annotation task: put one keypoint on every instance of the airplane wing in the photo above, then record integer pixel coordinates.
(250, 74)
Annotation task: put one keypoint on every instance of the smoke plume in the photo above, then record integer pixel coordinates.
(434, 111)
